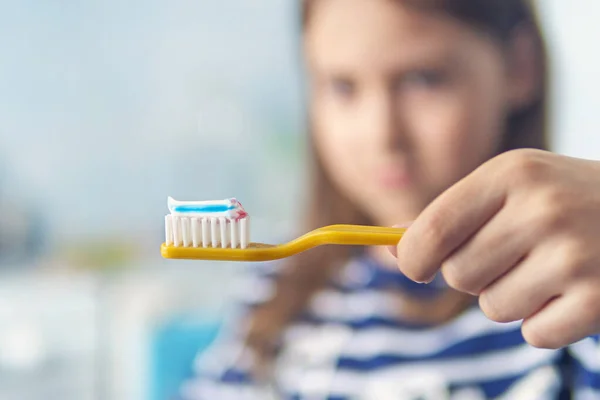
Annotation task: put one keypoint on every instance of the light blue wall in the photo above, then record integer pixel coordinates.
(107, 107)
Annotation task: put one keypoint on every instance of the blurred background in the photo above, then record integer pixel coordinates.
(106, 108)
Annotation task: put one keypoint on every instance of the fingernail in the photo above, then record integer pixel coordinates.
(426, 282)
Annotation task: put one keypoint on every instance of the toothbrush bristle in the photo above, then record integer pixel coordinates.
(168, 230)
(213, 232)
(223, 232)
(244, 232)
(207, 232)
(196, 233)
(234, 233)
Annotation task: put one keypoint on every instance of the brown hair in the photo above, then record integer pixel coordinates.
(303, 275)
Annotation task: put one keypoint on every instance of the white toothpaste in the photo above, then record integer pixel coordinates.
(229, 208)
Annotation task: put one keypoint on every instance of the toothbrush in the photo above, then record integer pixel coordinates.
(219, 230)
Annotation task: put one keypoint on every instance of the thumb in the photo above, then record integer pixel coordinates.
(394, 249)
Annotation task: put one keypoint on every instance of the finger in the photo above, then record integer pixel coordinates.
(489, 253)
(525, 289)
(449, 221)
(393, 249)
(565, 320)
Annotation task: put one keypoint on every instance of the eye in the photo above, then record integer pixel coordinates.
(424, 78)
(342, 87)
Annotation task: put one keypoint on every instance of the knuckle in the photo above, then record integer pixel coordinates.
(493, 309)
(413, 267)
(457, 278)
(433, 228)
(569, 260)
(525, 166)
(557, 198)
(590, 307)
(540, 338)
(549, 215)
(554, 206)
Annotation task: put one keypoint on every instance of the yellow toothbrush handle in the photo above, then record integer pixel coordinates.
(354, 235)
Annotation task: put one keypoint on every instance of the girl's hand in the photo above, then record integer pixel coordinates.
(523, 233)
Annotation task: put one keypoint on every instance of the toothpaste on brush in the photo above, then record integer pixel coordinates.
(222, 223)
(230, 208)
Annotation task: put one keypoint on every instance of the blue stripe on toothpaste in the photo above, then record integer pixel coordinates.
(202, 209)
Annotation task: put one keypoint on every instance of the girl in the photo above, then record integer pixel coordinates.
(407, 98)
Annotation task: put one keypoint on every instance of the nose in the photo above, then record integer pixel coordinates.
(382, 121)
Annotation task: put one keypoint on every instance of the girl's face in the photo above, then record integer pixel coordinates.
(404, 103)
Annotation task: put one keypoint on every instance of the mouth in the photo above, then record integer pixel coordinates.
(394, 177)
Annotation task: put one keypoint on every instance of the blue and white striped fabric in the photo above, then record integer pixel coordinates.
(349, 345)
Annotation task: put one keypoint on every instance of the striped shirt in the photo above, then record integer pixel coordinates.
(350, 344)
